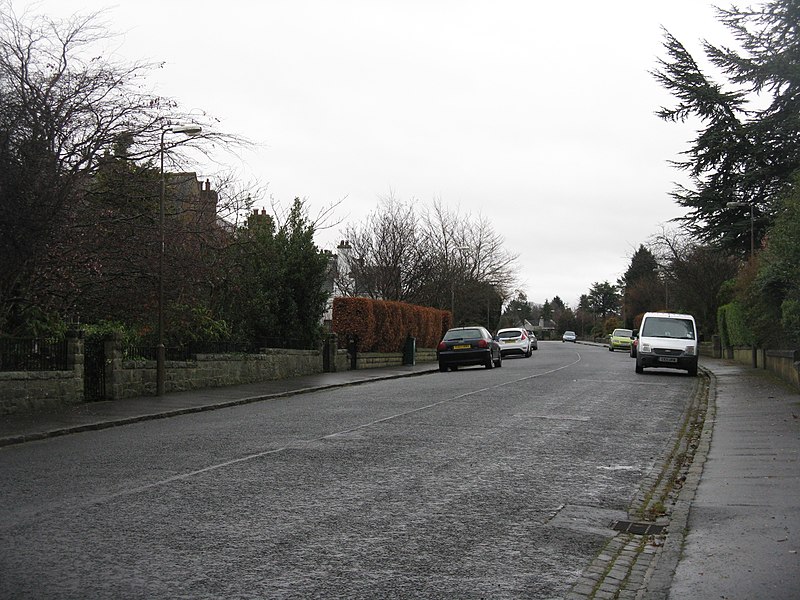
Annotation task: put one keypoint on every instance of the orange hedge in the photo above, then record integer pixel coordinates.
(383, 326)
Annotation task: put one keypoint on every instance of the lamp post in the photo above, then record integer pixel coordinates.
(752, 226)
(462, 249)
(160, 349)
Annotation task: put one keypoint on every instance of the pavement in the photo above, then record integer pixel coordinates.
(742, 533)
(20, 428)
(734, 531)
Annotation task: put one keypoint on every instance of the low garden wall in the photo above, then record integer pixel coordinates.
(132, 378)
(27, 391)
(784, 363)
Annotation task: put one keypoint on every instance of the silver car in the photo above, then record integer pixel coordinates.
(569, 336)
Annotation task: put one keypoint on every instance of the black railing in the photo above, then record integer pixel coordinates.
(30, 354)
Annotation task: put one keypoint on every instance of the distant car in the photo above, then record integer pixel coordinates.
(514, 340)
(620, 339)
(569, 336)
(467, 346)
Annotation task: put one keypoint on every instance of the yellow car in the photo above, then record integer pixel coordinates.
(620, 339)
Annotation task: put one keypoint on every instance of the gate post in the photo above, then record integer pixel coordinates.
(352, 350)
(112, 368)
(75, 360)
(329, 349)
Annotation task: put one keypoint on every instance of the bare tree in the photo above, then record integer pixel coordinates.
(434, 257)
(693, 274)
(64, 105)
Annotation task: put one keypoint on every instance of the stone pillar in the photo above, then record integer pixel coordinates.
(716, 346)
(112, 350)
(329, 349)
(74, 340)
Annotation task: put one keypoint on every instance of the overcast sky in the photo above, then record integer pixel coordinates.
(536, 115)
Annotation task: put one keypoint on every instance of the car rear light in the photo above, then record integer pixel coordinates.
(483, 344)
(441, 346)
(523, 336)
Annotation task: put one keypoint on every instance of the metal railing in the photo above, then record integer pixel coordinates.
(33, 354)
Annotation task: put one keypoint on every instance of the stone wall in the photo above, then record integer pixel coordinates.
(129, 378)
(784, 363)
(29, 391)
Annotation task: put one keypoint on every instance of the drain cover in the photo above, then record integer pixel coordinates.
(638, 528)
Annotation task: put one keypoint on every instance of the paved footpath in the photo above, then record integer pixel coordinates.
(744, 522)
(16, 429)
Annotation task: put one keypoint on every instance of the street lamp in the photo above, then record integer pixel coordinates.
(462, 249)
(752, 227)
(160, 349)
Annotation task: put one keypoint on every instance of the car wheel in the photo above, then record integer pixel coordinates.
(499, 362)
(639, 367)
(442, 367)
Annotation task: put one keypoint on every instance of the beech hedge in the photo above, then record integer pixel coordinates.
(384, 326)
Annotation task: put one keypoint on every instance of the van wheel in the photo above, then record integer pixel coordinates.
(693, 371)
(639, 367)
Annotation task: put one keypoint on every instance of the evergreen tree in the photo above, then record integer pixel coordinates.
(641, 288)
(749, 145)
(275, 289)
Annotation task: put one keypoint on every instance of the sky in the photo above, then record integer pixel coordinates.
(537, 116)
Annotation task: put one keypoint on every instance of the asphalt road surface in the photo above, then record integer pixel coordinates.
(477, 483)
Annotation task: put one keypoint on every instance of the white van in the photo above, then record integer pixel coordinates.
(667, 340)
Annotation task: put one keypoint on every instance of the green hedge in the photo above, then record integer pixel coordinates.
(384, 326)
(732, 326)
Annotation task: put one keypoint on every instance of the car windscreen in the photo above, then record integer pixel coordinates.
(668, 327)
(463, 334)
(509, 334)
(622, 333)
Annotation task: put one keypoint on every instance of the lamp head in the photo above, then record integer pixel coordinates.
(187, 129)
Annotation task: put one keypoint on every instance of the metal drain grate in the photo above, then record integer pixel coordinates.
(638, 528)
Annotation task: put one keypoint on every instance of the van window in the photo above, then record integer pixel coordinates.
(668, 327)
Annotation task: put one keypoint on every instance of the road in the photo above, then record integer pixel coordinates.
(478, 483)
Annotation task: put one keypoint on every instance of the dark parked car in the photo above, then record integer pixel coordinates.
(466, 346)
